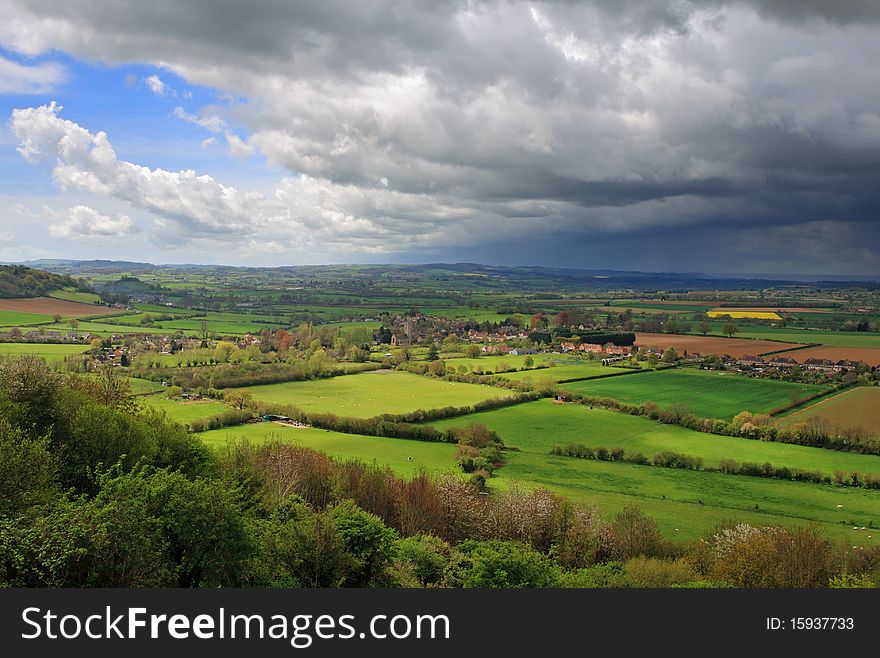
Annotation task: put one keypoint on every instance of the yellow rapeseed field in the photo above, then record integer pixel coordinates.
(758, 315)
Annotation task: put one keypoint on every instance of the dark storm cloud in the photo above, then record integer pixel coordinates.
(429, 127)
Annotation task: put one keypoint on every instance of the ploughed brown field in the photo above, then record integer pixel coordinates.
(870, 355)
(50, 306)
(735, 347)
(855, 408)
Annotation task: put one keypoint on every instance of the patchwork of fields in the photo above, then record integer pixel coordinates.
(373, 393)
(539, 426)
(710, 394)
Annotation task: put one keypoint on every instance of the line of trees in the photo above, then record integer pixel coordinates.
(671, 459)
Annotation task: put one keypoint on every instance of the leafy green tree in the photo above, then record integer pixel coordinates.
(426, 557)
(729, 329)
(301, 548)
(239, 399)
(368, 541)
(28, 471)
(501, 564)
(199, 523)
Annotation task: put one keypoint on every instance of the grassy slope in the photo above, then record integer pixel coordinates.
(373, 393)
(391, 452)
(709, 394)
(539, 426)
(694, 502)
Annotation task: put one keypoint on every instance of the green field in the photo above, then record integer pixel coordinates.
(184, 411)
(687, 504)
(373, 393)
(539, 426)
(395, 453)
(493, 363)
(143, 386)
(49, 351)
(73, 296)
(20, 318)
(566, 372)
(709, 394)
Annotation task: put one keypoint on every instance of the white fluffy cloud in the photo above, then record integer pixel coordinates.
(431, 125)
(83, 222)
(18, 78)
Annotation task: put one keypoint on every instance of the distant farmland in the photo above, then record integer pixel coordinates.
(49, 306)
(870, 355)
(735, 347)
(709, 394)
(49, 351)
(758, 315)
(854, 408)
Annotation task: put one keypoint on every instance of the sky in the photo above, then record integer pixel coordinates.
(656, 135)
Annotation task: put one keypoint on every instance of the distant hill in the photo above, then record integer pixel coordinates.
(21, 281)
(522, 278)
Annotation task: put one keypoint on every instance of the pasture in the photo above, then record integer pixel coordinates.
(565, 372)
(735, 347)
(48, 351)
(373, 393)
(854, 408)
(709, 394)
(539, 426)
(406, 458)
(143, 386)
(20, 318)
(689, 504)
(184, 411)
(494, 363)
